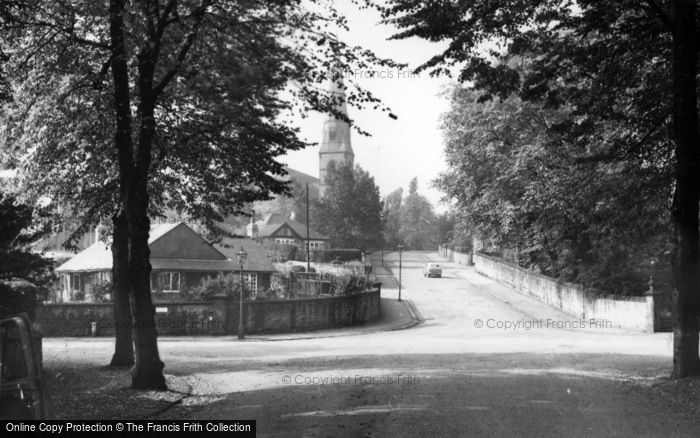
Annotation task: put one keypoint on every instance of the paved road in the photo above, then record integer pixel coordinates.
(485, 362)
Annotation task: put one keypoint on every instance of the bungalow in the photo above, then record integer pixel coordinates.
(180, 258)
(280, 229)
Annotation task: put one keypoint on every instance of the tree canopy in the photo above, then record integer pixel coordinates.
(350, 210)
(520, 184)
(418, 229)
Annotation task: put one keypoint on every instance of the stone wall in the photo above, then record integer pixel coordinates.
(218, 317)
(635, 313)
(462, 258)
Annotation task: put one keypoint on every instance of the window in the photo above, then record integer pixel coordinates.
(104, 277)
(165, 281)
(316, 244)
(172, 283)
(250, 281)
(284, 241)
(75, 282)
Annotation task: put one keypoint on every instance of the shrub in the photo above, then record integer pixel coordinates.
(280, 252)
(346, 279)
(279, 284)
(221, 285)
(101, 292)
(328, 255)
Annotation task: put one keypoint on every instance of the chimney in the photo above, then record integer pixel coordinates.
(98, 232)
(253, 231)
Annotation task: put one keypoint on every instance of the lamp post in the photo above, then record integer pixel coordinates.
(382, 251)
(400, 248)
(308, 242)
(241, 255)
(382, 217)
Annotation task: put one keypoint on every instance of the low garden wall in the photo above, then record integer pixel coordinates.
(635, 313)
(77, 319)
(219, 316)
(303, 314)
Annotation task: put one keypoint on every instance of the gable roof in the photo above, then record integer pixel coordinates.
(181, 242)
(276, 221)
(98, 257)
(159, 230)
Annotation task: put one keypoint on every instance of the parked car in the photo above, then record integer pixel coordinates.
(21, 386)
(432, 270)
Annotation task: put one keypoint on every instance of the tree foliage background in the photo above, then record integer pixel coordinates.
(25, 276)
(410, 221)
(418, 221)
(518, 181)
(350, 210)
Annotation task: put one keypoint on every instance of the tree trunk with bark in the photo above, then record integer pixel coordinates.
(148, 372)
(133, 168)
(148, 369)
(686, 135)
(123, 344)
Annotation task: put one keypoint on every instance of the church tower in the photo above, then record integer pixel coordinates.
(335, 146)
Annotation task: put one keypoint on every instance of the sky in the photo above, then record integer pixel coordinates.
(397, 150)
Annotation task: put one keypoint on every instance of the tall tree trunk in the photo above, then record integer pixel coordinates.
(123, 344)
(148, 372)
(148, 369)
(686, 135)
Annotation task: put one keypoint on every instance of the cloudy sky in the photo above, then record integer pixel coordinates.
(399, 149)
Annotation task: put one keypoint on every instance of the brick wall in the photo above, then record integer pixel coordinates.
(303, 314)
(218, 317)
(76, 319)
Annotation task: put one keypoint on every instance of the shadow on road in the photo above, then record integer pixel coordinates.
(446, 395)
(398, 395)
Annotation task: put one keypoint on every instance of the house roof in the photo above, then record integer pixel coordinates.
(276, 221)
(256, 260)
(159, 230)
(98, 257)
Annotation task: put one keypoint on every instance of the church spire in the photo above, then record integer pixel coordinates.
(335, 145)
